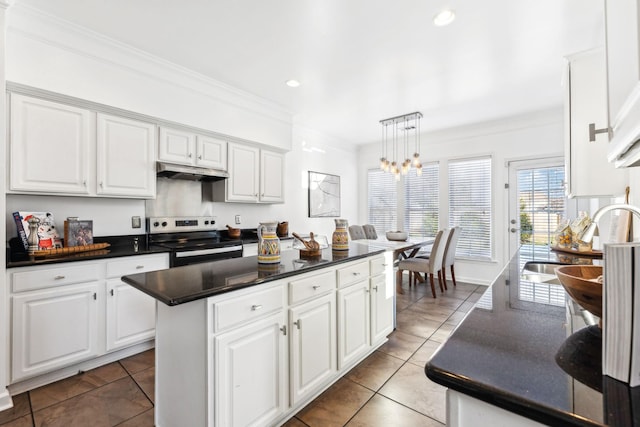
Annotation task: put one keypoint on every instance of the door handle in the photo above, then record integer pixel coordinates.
(513, 230)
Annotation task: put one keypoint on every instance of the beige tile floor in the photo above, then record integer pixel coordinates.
(389, 388)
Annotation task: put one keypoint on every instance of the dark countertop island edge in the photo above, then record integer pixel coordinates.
(219, 291)
(507, 401)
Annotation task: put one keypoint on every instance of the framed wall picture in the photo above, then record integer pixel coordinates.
(324, 195)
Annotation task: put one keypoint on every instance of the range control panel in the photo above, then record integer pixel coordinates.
(182, 223)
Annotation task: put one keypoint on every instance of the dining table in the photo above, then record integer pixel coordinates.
(402, 249)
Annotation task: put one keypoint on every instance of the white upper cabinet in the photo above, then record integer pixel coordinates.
(211, 152)
(49, 147)
(61, 149)
(188, 148)
(125, 157)
(623, 75)
(271, 177)
(255, 176)
(585, 114)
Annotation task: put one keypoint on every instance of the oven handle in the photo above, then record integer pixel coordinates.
(213, 251)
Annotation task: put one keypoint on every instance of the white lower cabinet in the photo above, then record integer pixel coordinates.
(131, 315)
(72, 312)
(313, 344)
(382, 294)
(251, 373)
(54, 328)
(353, 322)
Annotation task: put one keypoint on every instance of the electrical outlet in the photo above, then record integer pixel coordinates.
(135, 222)
(238, 219)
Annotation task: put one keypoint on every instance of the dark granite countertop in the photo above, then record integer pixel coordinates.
(121, 246)
(514, 351)
(179, 285)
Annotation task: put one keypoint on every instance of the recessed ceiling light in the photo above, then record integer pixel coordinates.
(444, 17)
(293, 83)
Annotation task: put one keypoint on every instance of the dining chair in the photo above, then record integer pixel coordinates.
(356, 232)
(431, 265)
(450, 255)
(370, 231)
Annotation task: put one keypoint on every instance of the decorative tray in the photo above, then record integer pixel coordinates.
(594, 253)
(69, 251)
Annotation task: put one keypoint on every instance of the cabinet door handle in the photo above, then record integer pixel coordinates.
(101, 184)
(375, 288)
(190, 155)
(283, 328)
(138, 267)
(256, 307)
(111, 292)
(200, 157)
(58, 277)
(298, 323)
(95, 296)
(316, 287)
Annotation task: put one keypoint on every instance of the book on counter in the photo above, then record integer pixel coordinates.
(78, 232)
(48, 237)
(621, 313)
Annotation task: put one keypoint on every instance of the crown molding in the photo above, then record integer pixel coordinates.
(35, 24)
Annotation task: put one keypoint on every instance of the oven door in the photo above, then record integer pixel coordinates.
(186, 257)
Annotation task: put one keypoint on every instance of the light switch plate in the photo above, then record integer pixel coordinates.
(238, 219)
(135, 222)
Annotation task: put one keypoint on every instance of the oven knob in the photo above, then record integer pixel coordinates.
(213, 222)
(206, 223)
(164, 223)
(155, 224)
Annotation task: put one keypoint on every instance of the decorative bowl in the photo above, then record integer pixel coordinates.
(399, 236)
(584, 284)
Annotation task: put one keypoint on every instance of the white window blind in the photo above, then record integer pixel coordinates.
(382, 201)
(421, 201)
(470, 205)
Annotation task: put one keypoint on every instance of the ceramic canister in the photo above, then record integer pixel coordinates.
(268, 243)
(340, 238)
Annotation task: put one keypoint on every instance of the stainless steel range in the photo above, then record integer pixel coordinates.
(191, 239)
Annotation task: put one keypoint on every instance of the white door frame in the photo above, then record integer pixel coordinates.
(512, 240)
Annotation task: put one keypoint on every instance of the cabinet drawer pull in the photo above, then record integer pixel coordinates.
(58, 277)
(138, 267)
(355, 273)
(316, 287)
(297, 323)
(283, 328)
(256, 307)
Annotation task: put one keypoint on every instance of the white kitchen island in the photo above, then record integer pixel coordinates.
(239, 343)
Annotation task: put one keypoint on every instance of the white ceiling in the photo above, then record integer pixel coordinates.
(360, 61)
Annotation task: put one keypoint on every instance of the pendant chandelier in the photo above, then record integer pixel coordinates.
(399, 135)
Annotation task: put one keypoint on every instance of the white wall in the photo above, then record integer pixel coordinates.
(86, 66)
(523, 137)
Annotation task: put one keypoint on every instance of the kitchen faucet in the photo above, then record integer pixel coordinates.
(587, 236)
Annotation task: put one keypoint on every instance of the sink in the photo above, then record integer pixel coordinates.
(541, 272)
(542, 267)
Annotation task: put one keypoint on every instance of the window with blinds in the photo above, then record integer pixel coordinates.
(470, 205)
(382, 201)
(421, 201)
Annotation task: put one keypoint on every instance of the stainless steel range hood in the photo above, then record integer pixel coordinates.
(190, 173)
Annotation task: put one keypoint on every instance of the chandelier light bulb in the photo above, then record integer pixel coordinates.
(416, 159)
(382, 162)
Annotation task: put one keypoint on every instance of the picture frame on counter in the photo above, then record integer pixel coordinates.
(324, 195)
